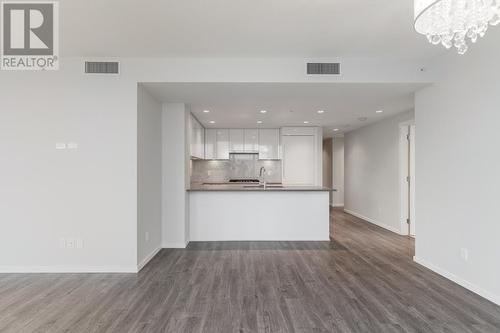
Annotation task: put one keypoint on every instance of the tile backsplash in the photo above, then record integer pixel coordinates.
(238, 166)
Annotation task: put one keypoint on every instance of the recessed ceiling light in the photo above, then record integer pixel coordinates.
(212, 122)
(379, 111)
(259, 121)
(206, 111)
(263, 111)
(335, 129)
(321, 111)
(306, 122)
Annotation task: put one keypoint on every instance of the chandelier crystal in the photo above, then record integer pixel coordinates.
(455, 22)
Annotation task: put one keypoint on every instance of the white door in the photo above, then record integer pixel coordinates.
(269, 140)
(222, 144)
(298, 160)
(251, 140)
(236, 140)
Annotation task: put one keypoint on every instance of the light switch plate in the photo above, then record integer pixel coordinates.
(60, 145)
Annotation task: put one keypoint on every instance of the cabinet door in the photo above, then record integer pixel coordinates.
(210, 144)
(251, 140)
(236, 140)
(269, 140)
(197, 137)
(298, 160)
(222, 144)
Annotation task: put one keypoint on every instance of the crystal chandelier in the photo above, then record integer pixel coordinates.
(455, 22)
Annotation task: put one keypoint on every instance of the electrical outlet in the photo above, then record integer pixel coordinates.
(464, 254)
(79, 243)
(72, 145)
(146, 236)
(70, 243)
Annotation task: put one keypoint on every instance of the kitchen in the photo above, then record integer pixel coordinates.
(258, 184)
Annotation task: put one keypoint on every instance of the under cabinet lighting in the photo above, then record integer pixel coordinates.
(206, 111)
(379, 111)
(306, 122)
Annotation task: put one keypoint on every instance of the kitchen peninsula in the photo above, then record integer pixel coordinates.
(245, 212)
(257, 185)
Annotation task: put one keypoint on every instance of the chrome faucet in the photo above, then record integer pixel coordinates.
(262, 173)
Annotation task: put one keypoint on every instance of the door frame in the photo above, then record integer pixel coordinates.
(404, 160)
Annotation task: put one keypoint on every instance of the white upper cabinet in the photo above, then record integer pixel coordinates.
(197, 137)
(210, 144)
(251, 140)
(222, 144)
(237, 140)
(269, 142)
(216, 144)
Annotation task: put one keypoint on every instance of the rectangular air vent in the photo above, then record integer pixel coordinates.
(94, 67)
(323, 68)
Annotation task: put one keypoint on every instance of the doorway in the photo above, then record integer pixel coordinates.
(407, 178)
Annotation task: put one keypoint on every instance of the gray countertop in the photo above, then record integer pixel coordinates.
(250, 187)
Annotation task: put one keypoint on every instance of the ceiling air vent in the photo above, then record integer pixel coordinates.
(93, 67)
(323, 68)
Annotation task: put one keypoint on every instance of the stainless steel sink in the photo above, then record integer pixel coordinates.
(262, 186)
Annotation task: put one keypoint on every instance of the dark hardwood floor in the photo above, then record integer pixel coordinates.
(362, 281)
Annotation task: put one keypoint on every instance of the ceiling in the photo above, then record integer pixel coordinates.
(241, 28)
(238, 105)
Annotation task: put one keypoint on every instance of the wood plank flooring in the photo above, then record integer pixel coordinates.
(362, 281)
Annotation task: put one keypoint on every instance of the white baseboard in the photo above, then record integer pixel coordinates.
(373, 221)
(175, 245)
(68, 269)
(458, 280)
(337, 205)
(147, 259)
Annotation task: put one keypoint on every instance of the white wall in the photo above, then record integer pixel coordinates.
(91, 193)
(372, 172)
(87, 193)
(457, 168)
(149, 176)
(338, 172)
(175, 165)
